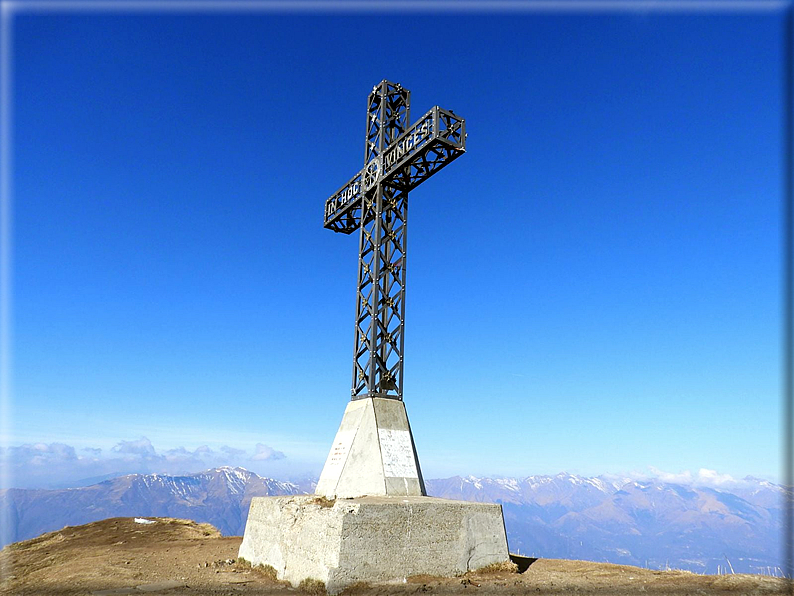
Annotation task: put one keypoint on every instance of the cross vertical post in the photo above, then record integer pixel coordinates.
(377, 360)
(397, 158)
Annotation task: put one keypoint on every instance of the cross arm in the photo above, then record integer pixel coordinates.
(435, 140)
(343, 208)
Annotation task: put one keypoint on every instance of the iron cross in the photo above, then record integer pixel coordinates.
(397, 159)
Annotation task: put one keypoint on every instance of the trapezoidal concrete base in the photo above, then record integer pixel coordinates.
(369, 539)
(373, 453)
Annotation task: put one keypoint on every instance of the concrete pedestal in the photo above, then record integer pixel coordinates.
(369, 539)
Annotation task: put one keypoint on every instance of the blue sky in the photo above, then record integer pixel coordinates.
(594, 287)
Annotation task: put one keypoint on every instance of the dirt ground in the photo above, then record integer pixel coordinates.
(171, 557)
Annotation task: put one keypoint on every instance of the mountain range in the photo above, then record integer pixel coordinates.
(652, 523)
(649, 523)
(220, 496)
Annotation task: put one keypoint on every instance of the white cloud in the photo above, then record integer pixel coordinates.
(684, 477)
(180, 454)
(140, 448)
(57, 464)
(704, 477)
(264, 453)
(40, 454)
(713, 478)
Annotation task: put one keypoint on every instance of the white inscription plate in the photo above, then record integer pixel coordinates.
(338, 455)
(397, 454)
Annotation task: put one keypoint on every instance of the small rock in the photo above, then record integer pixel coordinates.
(143, 520)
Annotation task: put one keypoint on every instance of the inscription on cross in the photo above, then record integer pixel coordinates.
(397, 159)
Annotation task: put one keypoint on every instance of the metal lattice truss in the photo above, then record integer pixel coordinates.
(397, 159)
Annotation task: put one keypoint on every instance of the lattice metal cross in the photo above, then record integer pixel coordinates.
(397, 159)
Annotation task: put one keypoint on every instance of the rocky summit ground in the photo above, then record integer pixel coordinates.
(173, 557)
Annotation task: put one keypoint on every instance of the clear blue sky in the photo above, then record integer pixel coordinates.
(594, 287)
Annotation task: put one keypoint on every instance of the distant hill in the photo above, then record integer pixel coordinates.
(648, 524)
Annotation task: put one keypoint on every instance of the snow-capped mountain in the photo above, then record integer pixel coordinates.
(220, 496)
(646, 523)
(564, 489)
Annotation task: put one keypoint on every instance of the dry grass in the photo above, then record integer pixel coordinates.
(313, 587)
(323, 502)
(357, 588)
(265, 571)
(422, 578)
(497, 568)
